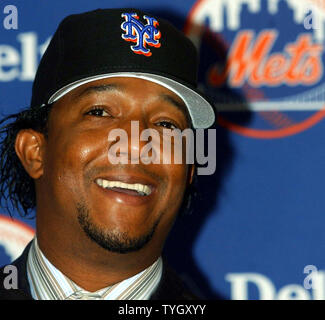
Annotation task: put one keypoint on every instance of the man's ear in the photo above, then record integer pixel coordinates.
(29, 148)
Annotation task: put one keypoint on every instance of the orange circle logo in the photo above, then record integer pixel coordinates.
(262, 63)
(14, 236)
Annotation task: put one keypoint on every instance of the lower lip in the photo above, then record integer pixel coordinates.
(125, 198)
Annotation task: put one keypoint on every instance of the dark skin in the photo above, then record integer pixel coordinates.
(66, 164)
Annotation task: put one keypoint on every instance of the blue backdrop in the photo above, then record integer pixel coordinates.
(258, 225)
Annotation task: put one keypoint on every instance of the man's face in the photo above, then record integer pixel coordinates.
(77, 169)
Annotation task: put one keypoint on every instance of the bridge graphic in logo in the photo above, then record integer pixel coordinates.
(142, 35)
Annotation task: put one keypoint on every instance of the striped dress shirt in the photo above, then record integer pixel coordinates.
(48, 283)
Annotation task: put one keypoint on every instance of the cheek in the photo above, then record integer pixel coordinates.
(172, 199)
(177, 184)
(66, 160)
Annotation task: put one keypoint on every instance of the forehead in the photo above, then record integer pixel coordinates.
(136, 88)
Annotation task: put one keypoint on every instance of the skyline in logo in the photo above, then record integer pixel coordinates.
(226, 14)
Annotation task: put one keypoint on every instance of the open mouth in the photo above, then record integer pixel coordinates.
(136, 189)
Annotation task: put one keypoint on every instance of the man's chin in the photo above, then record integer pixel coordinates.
(113, 241)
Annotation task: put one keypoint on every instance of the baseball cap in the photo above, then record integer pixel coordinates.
(124, 42)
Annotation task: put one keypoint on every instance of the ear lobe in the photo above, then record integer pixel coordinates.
(29, 149)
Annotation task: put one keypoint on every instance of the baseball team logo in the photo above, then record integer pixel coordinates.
(14, 236)
(142, 35)
(262, 62)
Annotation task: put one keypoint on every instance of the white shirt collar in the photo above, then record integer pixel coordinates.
(49, 283)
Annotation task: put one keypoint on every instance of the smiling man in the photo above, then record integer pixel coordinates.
(101, 227)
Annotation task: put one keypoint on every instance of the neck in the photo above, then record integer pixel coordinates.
(90, 266)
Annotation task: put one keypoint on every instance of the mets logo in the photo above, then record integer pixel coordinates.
(262, 62)
(142, 35)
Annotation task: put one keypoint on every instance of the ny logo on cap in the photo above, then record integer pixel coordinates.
(142, 35)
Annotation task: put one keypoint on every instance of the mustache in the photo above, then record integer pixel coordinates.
(131, 169)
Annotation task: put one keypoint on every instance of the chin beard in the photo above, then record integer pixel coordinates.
(114, 241)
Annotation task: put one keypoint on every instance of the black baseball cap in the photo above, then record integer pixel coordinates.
(126, 43)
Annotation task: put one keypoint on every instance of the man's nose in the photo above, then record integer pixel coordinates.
(131, 144)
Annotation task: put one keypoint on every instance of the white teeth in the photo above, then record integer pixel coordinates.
(140, 188)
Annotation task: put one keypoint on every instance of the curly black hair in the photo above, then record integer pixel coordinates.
(16, 186)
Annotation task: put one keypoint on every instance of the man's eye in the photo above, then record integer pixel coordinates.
(167, 124)
(98, 112)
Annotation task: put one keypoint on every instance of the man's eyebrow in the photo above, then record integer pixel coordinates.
(113, 86)
(99, 88)
(179, 105)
